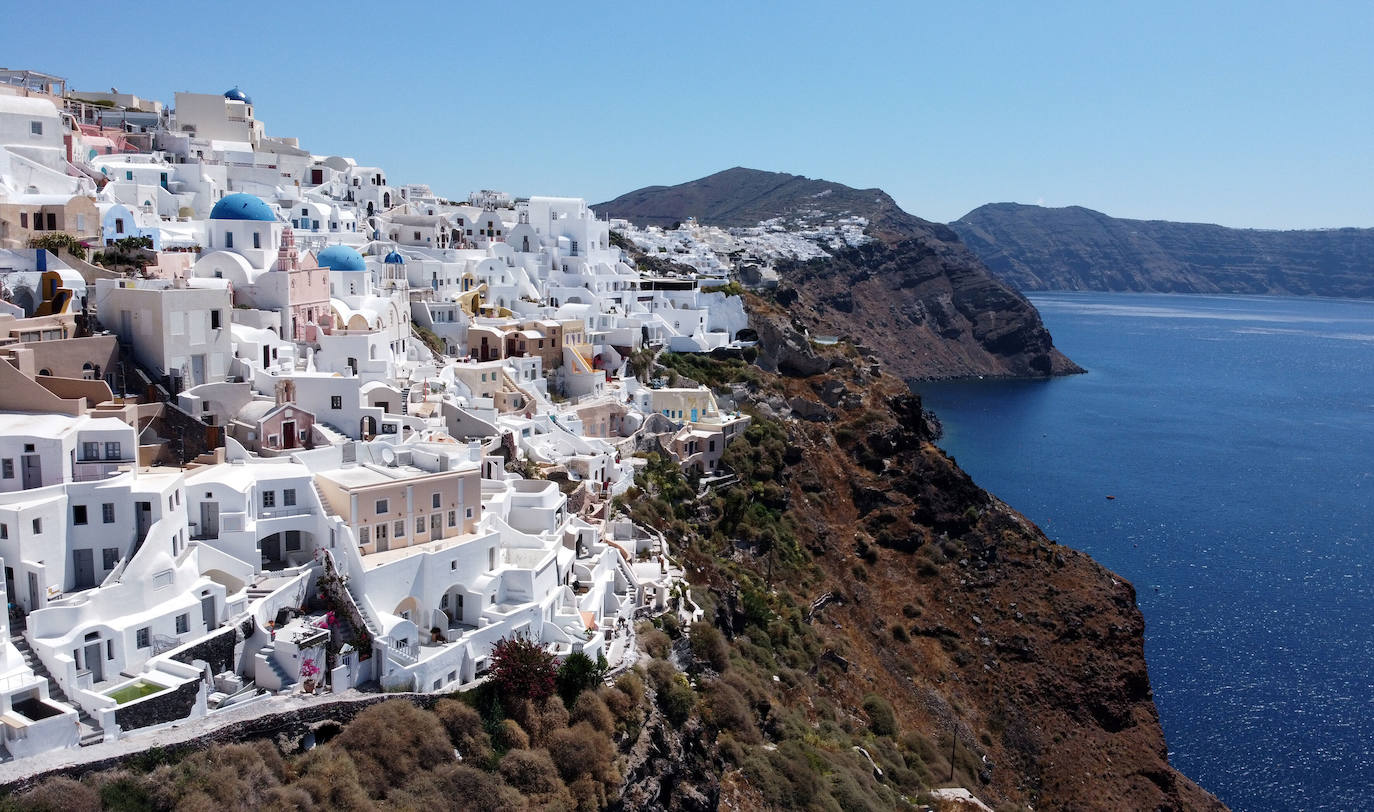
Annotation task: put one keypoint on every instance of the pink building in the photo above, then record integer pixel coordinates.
(307, 290)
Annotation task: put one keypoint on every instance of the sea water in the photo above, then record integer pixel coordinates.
(1236, 435)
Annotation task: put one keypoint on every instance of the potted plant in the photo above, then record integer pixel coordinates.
(309, 671)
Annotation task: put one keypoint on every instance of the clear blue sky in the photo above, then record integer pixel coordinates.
(1245, 114)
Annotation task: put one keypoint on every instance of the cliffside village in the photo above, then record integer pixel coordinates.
(297, 429)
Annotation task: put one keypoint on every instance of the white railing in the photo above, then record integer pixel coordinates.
(282, 512)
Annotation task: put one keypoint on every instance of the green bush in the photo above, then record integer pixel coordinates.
(578, 673)
(881, 719)
(709, 646)
(726, 710)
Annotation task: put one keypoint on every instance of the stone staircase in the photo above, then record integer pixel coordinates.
(405, 401)
(90, 729)
(333, 435)
(265, 653)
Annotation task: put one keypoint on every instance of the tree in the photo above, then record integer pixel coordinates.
(58, 241)
(578, 673)
(522, 669)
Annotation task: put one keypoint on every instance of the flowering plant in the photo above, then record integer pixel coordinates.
(308, 668)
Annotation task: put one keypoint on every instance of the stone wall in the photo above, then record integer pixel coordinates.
(217, 650)
(168, 706)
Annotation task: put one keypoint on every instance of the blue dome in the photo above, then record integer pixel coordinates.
(235, 94)
(394, 258)
(242, 207)
(341, 258)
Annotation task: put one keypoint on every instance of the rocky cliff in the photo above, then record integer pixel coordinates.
(1037, 248)
(914, 296)
(1021, 658)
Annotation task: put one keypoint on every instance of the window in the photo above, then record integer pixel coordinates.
(419, 524)
(7, 468)
(90, 451)
(37, 526)
(269, 499)
(364, 536)
(257, 240)
(142, 638)
(107, 513)
(381, 506)
(112, 451)
(109, 557)
(398, 528)
(214, 319)
(434, 501)
(336, 402)
(293, 541)
(35, 128)
(288, 497)
(228, 239)
(78, 514)
(4, 531)
(24, 220)
(467, 514)
(183, 623)
(453, 518)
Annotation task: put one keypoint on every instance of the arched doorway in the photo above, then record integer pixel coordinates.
(367, 427)
(287, 548)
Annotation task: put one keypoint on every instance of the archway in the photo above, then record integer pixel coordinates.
(367, 427)
(408, 608)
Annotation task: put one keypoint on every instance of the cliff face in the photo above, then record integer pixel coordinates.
(1036, 248)
(932, 593)
(914, 296)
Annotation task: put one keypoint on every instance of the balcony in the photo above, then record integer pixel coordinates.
(95, 470)
(284, 512)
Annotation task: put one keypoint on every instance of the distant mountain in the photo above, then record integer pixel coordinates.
(914, 296)
(1037, 248)
(742, 197)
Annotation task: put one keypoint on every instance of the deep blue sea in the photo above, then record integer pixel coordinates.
(1237, 435)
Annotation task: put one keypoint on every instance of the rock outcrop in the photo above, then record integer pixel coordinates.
(932, 593)
(922, 302)
(1037, 248)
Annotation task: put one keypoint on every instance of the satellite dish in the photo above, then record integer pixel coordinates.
(388, 455)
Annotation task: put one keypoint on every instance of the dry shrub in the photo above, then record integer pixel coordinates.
(726, 709)
(580, 752)
(229, 776)
(61, 795)
(618, 702)
(392, 741)
(457, 786)
(632, 684)
(655, 642)
(465, 730)
(539, 719)
(533, 773)
(330, 777)
(290, 796)
(591, 709)
(121, 789)
(511, 736)
(588, 794)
